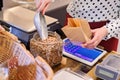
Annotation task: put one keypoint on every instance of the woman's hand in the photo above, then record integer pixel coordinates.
(1, 28)
(42, 5)
(98, 35)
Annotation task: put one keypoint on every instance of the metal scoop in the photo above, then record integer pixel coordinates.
(41, 26)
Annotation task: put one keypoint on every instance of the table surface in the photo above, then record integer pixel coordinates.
(77, 66)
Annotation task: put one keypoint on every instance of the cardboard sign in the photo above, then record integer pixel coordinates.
(77, 30)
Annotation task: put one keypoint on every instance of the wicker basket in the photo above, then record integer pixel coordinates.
(20, 62)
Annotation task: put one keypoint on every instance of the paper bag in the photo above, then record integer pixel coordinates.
(77, 30)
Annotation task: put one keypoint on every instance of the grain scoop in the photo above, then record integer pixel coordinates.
(41, 26)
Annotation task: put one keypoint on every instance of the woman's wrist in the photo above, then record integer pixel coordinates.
(104, 30)
(107, 32)
(53, 0)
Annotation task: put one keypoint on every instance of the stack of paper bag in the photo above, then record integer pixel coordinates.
(77, 30)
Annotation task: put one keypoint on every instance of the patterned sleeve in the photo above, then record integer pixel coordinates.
(113, 28)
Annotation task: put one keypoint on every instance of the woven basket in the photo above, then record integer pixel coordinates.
(20, 62)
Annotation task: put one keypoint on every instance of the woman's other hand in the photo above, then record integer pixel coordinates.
(42, 5)
(98, 35)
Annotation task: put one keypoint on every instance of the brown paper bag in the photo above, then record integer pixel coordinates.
(77, 30)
